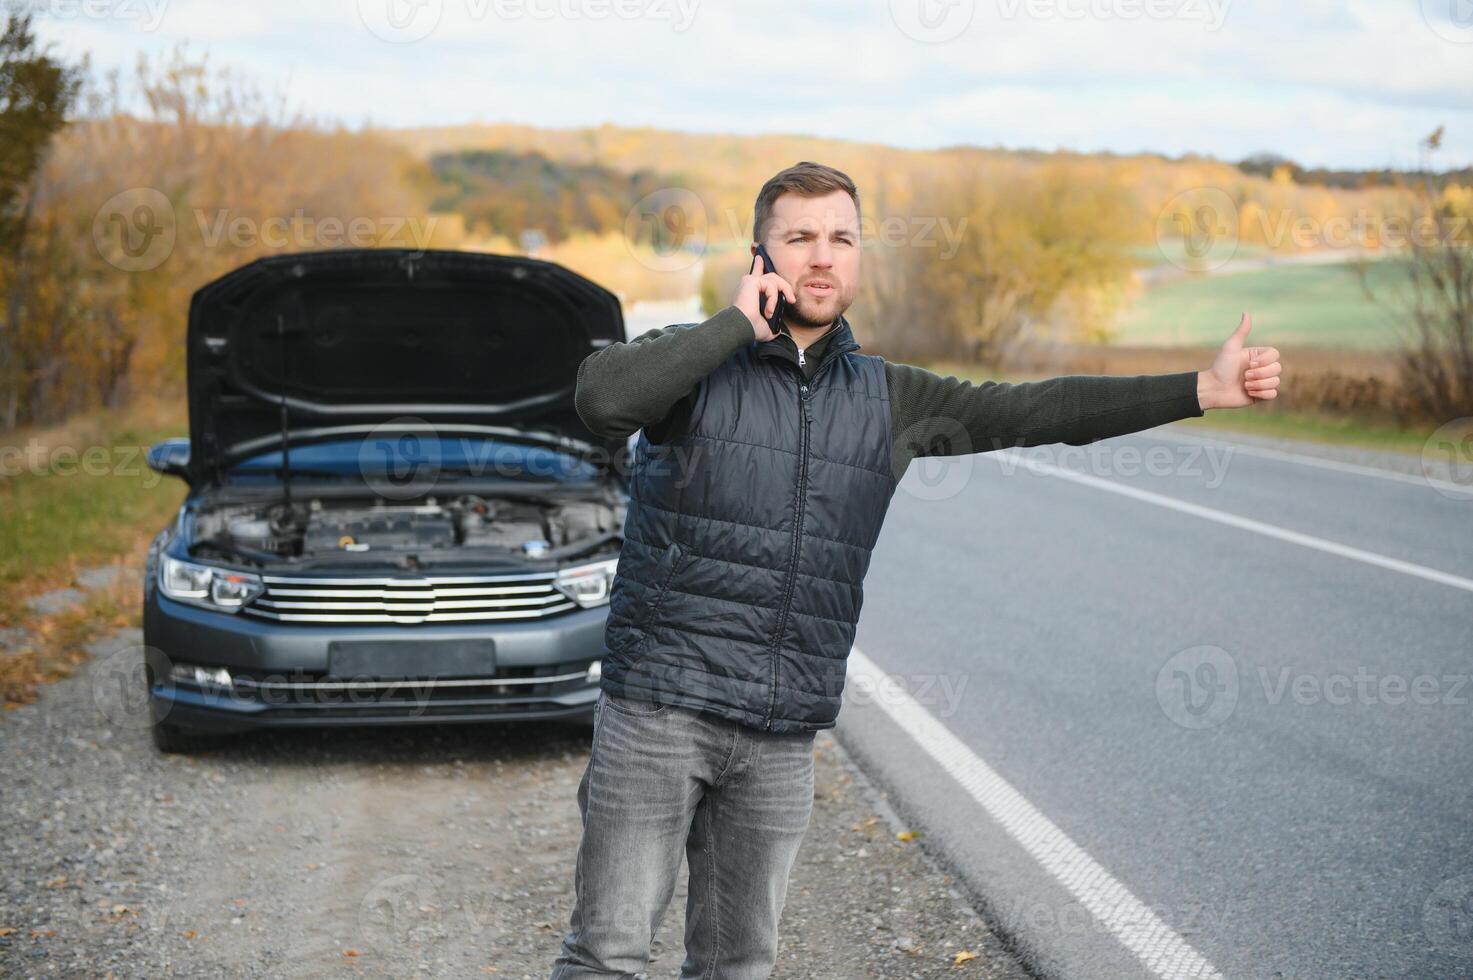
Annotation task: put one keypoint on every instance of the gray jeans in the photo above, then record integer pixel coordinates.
(665, 778)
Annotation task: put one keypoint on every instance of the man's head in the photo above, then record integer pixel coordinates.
(808, 217)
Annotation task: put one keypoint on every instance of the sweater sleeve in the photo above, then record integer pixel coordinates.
(933, 415)
(636, 383)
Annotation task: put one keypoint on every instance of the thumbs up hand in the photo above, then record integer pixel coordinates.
(1240, 375)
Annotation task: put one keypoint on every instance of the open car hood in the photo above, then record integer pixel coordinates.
(345, 339)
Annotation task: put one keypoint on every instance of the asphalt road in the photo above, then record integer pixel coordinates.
(1242, 688)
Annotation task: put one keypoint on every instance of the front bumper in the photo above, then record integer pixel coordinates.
(280, 672)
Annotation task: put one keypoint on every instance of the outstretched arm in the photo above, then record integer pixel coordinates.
(944, 416)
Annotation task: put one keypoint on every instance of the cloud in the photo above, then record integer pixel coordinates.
(1328, 82)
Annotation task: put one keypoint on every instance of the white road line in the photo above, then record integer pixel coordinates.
(1431, 482)
(1130, 921)
(1233, 520)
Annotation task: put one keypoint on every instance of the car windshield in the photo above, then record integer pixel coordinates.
(409, 457)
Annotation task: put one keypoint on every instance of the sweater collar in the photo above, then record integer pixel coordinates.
(838, 340)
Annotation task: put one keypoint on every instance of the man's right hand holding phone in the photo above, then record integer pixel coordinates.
(757, 297)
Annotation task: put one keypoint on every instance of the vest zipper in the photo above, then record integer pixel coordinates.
(800, 357)
(798, 510)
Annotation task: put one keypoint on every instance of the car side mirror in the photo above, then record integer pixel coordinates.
(170, 457)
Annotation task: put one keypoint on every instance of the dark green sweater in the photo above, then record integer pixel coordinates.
(649, 382)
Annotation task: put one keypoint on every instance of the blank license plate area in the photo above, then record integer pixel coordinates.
(410, 659)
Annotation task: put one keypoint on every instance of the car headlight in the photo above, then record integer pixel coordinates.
(587, 585)
(202, 585)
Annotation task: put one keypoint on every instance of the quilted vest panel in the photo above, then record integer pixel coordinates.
(748, 537)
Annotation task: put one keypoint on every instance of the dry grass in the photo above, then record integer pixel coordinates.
(58, 642)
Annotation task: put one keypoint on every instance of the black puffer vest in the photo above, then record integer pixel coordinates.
(748, 537)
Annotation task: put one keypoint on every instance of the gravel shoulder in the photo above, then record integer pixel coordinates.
(412, 852)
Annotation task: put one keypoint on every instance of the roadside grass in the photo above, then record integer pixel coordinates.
(1296, 305)
(79, 495)
(56, 644)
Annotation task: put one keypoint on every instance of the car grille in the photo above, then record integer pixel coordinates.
(439, 599)
(509, 691)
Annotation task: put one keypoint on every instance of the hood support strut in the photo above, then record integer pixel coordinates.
(286, 459)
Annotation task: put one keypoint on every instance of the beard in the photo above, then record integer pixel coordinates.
(813, 311)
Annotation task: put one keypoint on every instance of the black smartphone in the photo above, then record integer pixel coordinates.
(774, 322)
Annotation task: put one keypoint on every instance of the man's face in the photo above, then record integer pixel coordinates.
(814, 244)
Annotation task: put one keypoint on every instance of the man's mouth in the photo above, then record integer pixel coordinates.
(821, 288)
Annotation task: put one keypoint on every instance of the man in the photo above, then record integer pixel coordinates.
(761, 478)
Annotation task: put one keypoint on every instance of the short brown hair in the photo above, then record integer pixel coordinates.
(805, 178)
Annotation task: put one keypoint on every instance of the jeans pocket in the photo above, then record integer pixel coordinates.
(637, 707)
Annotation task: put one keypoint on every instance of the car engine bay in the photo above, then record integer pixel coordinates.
(460, 527)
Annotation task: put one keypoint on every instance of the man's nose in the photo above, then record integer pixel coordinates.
(822, 255)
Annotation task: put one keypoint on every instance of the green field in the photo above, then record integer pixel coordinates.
(90, 500)
(1296, 305)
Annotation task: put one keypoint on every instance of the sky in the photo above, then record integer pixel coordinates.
(1336, 83)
